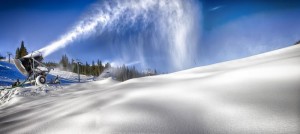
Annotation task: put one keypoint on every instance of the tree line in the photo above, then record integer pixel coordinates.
(120, 73)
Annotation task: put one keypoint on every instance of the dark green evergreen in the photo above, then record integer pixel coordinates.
(22, 51)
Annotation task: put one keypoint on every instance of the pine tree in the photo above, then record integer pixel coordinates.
(107, 65)
(81, 69)
(65, 62)
(100, 67)
(23, 50)
(17, 53)
(87, 69)
(93, 69)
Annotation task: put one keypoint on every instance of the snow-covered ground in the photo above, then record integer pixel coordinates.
(9, 74)
(255, 95)
(69, 76)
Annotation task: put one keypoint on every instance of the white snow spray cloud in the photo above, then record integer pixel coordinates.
(176, 25)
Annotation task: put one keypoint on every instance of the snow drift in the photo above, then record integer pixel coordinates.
(259, 94)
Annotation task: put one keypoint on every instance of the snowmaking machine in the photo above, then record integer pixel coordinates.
(31, 66)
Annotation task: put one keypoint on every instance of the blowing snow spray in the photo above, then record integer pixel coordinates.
(175, 23)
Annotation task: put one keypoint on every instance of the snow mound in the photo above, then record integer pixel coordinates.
(255, 95)
(7, 95)
(108, 80)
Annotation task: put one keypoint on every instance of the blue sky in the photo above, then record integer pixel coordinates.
(229, 29)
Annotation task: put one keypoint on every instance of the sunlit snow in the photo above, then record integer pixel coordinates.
(255, 95)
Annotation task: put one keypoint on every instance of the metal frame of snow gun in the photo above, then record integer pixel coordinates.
(31, 66)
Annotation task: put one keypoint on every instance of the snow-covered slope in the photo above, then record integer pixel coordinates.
(255, 95)
(68, 77)
(9, 74)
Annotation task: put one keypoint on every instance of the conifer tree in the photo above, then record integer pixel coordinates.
(107, 65)
(87, 69)
(100, 67)
(17, 56)
(93, 69)
(22, 51)
(65, 62)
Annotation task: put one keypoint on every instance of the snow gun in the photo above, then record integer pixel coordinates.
(31, 66)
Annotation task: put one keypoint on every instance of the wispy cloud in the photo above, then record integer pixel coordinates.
(133, 63)
(119, 62)
(216, 8)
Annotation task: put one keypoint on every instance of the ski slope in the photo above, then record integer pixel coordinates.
(68, 77)
(255, 95)
(9, 74)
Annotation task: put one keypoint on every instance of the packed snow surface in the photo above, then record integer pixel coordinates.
(255, 95)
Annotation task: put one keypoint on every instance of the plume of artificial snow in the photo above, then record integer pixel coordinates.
(176, 21)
